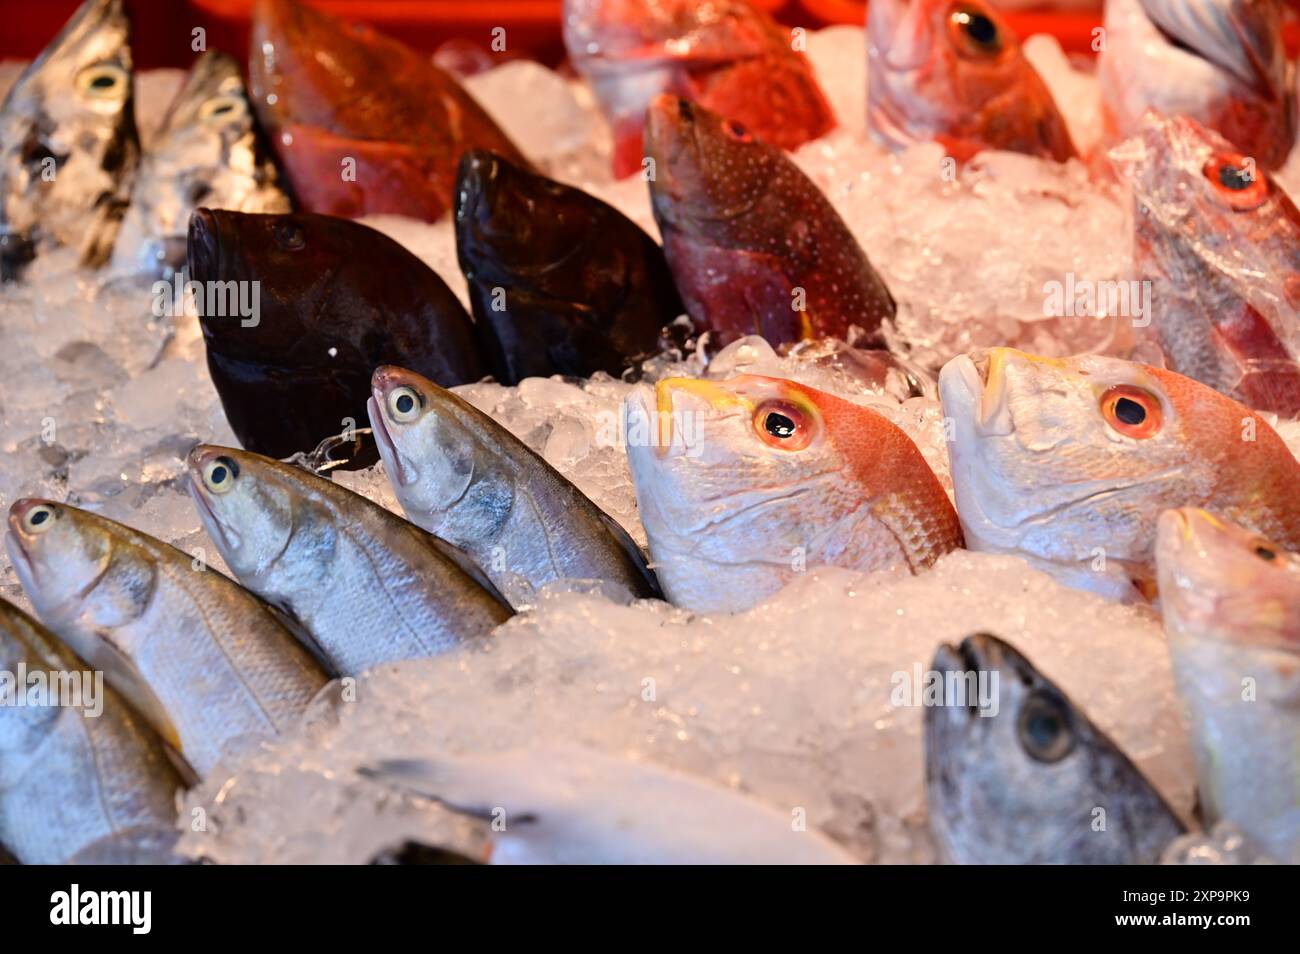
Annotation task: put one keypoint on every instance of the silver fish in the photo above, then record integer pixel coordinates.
(208, 153)
(367, 586)
(572, 805)
(1032, 782)
(75, 769)
(461, 475)
(68, 143)
(204, 660)
(1231, 605)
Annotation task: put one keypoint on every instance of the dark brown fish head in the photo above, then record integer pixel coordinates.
(705, 168)
(508, 215)
(298, 309)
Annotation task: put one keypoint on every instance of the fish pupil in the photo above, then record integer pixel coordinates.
(1043, 728)
(778, 425)
(1130, 412)
(1265, 553)
(405, 404)
(39, 517)
(218, 474)
(1231, 177)
(104, 81)
(981, 29)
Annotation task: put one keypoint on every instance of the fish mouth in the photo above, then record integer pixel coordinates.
(197, 460)
(977, 381)
(384, 379)
(666, 409)
(899, 34)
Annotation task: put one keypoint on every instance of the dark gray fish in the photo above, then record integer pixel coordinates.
(1035, 783)
(77, 772)
(68, 144)
(209, 152)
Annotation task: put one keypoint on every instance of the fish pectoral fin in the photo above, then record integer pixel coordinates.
(123, 675)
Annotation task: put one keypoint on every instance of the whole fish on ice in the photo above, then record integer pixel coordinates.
(560, 282)
(1068, 462)
(1231, 604)
(743, 485)
(73, 769)
(68, 144)
(335, 299)
(1221, 62)
(1221, 241)
(367, 586)
(954, 73)
(754, 245)
(206, 662)
(462, 476)
(727, 55)
(1029, 779)
(570, 805)
(362, 123)
(209, 152)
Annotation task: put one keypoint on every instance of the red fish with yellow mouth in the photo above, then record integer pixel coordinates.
(954, 73)
(753, 244)
(362, 123)
(1221, 242)
(726, 55)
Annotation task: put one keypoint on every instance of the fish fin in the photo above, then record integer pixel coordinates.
(635, 555)
(127, 679)
(456, 555)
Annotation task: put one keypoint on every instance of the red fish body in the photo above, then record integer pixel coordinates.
(1221, 242)
(753, 244)
(954, 73)
(725, 55)
(362, 123)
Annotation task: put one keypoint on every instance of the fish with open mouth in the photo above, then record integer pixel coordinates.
(209, 152)
(1231, 605)
(727, 55)
(362, 123)
(744, 485)
(462, 476)
(68, 143)
(73, 769)
(1221, 62)
(954, 73)
(335, 299)
(210, 666)
(560, 282)
(1220, 240)
(365, 585)
(572, 805)
(1067, 462)
(1034, 781)
(754, 245)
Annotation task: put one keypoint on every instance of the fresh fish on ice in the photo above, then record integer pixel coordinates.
(206, 662)
(68, 145)
(1028, 779)
(367, 586)
(746, 484)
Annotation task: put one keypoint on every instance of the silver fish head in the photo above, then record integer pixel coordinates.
(69, 145)
(426, 441)
(59, 557)
(249, 517)
(1015, 773)
(208, 153)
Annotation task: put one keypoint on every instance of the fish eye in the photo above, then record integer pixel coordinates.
(1266, 552)
(222, 109)
(974, 32)
(39, 519)
(219, 474)
(783, 424)
(1046, 728)
(103, 81)
(1236, 180)
(737, 131)
(404, 404)
(1132, 411)
(290, 236)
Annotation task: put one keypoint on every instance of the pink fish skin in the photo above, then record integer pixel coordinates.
(726, 55)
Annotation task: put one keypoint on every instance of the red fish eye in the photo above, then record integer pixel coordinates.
(783, 424)
(737, 131)
(1236, 179)
(974, 31)
(1132, 411)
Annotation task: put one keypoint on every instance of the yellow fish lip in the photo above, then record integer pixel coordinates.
(715, 394)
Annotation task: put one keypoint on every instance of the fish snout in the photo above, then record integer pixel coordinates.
(203, 246)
